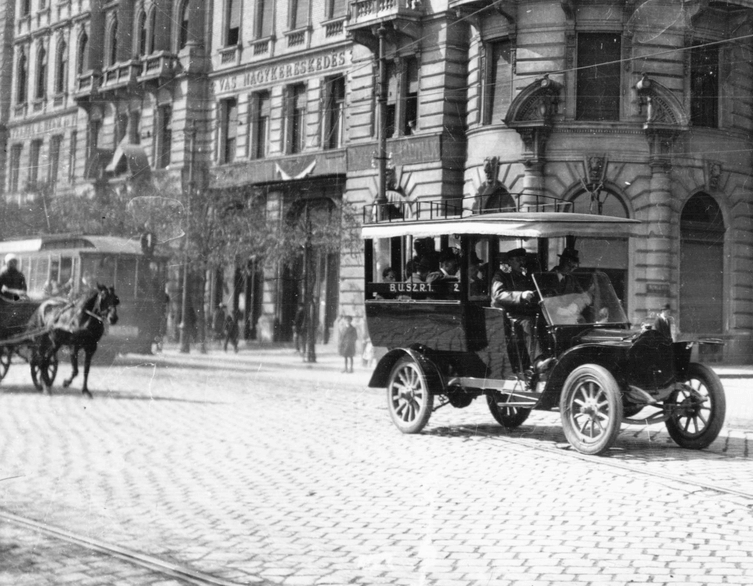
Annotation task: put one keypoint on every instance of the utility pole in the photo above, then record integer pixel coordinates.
(185, 342)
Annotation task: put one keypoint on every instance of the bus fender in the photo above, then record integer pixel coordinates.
(381, 374)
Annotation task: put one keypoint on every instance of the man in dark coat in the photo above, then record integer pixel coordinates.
(12, 281)
(663, 322)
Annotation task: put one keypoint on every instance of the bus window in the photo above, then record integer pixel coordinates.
(65, 279)
(126, 277)
(38, 276)
(149, 279)
(97, 270)
(478, 267)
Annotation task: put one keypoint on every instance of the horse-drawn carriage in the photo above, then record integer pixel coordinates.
(36, 330)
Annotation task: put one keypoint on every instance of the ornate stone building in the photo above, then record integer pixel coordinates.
(630, 107)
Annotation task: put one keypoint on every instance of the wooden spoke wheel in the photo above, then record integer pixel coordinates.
(695, 410)
(591, 409)
(408, 398)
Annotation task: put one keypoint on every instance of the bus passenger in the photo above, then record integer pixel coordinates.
(12, 281)
(514, 291)
(416, 270)
(388, 275)
(448, 268)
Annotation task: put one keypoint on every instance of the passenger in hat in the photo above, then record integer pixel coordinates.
(664, 322)
(12, 281)
(448, 268)
(515, 291)
(567, 283)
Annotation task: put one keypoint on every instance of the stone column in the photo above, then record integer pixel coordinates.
(658, 251)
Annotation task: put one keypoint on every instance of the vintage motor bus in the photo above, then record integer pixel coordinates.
(448, 343)
(65, 265)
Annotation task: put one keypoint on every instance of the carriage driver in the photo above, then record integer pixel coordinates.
(12, 281)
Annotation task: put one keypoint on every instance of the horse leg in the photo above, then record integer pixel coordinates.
(88, 353)
(74, 366)
(47, 349)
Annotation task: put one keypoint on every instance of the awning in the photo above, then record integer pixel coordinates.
(512, 224)
(131, 160)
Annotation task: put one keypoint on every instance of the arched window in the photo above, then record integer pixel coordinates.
(702, 245)
(183, 31)
(143, 34)
(82, 60)
(61, 67)
(112, 43)
(21, 77)
(41, 80)
(152, 46)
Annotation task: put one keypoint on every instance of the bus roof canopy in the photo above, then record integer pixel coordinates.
(510, 224)
(99, 244)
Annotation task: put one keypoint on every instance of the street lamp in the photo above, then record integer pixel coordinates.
(185, 344)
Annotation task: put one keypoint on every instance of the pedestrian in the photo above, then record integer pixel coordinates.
(299, 329)
(231, 330)
(218, 322)
(347, 345)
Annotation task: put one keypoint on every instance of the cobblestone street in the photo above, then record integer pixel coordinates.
(248, 469)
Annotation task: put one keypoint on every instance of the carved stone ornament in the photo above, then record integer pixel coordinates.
(714, 170)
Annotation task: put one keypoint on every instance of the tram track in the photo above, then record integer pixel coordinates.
(605, 460)
(178, 572)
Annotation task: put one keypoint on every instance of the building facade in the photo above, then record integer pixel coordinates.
(631, 108)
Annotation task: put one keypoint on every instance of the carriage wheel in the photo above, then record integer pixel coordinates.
(591, 409)
(695, 411)
(5, 355)
(408, 398)
(43, 371)
(508, 417)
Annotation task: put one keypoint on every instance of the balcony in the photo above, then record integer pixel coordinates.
(87, 85)
(158, 68)
(399, 16)
(119, 77)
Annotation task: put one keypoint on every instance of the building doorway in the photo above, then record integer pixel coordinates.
(702, 266)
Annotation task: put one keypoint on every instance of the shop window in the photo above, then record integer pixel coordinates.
(21, 77)
(259, 127)
(334, 113)
(72, 156)
(704, 86)
(296, 119)
(598, 77)
(61, 68)
(233, 20)
(55, 143)
(164, 135)
(228, 129)
(15, 167)
(36, 149)
(497, 76)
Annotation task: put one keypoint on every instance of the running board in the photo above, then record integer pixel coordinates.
(509, 386)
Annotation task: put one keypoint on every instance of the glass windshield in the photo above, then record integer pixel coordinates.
(579, 299)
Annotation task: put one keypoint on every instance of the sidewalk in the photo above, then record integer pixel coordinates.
(329, 365)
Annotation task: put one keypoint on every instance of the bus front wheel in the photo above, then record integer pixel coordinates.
(408, 398)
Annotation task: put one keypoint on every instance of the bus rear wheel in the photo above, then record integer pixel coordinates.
(408, 398)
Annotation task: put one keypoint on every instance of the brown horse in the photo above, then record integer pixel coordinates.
(78, 324)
